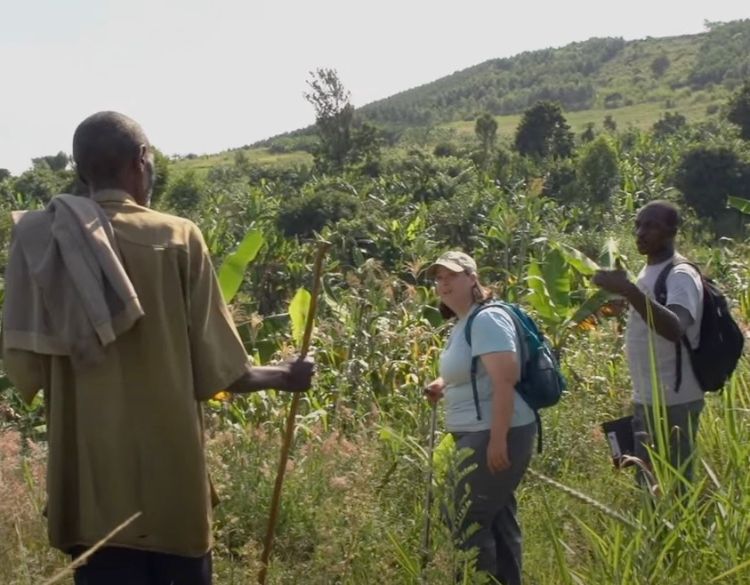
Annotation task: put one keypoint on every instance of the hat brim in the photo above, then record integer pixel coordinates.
(452, 266)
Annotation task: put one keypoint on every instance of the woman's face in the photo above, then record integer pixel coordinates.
(455, 289)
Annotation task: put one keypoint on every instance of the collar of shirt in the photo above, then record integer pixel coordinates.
(117, 195)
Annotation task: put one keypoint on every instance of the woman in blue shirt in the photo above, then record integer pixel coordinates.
(499, 430)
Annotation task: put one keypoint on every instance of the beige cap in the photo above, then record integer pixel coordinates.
(454, 261)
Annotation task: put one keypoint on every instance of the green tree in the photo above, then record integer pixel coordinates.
(669, 123)
(544, 132)
(597, 171)
(485, 129)
(610, 125)
(161, 170)
(333, 117)
(185, 192)
(708, 175)
(739, 110)
(240, 159)
(365, 147)
(42, 183)
(588, 134)
(342, 141)
(56, 162)
(312, 210)
(4, 174)
(443, 149)
(660, 65)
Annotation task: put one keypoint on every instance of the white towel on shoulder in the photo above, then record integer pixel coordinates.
(66, 289)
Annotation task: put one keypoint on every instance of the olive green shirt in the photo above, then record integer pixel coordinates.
(126, 435)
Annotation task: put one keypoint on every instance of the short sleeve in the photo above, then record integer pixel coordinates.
(25, 369)
(217, 354)
(492, 331)
(684, 289)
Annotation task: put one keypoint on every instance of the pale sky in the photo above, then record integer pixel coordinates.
(204, 76)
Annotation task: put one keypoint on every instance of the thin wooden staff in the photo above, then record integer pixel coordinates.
(291, 416)
(427, 530)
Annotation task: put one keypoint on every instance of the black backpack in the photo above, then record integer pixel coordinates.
(721, 340)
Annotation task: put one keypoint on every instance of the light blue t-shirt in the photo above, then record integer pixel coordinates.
(492, 331)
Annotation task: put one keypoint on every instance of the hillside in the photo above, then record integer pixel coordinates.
(599, 73)
(634, 82)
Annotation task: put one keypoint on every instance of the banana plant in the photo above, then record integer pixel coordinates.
(559, 288)
(232, 270)
(740, 204)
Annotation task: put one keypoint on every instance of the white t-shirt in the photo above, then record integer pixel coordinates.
(684, 288)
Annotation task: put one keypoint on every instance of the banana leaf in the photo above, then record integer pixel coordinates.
(299, 308)
(577, 259)
(740, 204)
(557, 279)
(232, 270)
(538, 296)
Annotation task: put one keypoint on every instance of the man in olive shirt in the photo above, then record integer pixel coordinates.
(126, 433)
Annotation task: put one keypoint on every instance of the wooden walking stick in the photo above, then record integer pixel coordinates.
(425, 552)
(291, 417)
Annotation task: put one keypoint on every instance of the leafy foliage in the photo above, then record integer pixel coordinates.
(503, 86)
(486, 131)
(739, 110)
(534, 223)
(544, 132)
(314, 209)
(707, 176)
(724, 56)
(598, 171)
(670, 123)
(341, 141)
(185, 192)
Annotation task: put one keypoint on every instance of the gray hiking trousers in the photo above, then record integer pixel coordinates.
(492, 502)
(682, 424)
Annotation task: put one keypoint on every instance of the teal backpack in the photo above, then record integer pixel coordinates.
(541, 383)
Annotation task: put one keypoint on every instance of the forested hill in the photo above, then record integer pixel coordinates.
(595, 74)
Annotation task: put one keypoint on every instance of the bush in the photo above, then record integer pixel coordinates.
(560, 182)
(670, 123)
(598, 171)
(707, 176)
(310, 212)
(660, 65)
(185, 193)
(443, 149)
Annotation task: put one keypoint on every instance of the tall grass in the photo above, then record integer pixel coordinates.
(353, 507)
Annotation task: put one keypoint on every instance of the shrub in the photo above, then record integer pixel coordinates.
(311, 211)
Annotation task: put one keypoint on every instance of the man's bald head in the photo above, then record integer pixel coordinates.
(668, 212)
(104, 145)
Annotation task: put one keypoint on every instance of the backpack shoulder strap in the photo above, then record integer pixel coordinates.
(474, 360)
(660, 286)
(523, 349)
(479, 309)
(660, 294)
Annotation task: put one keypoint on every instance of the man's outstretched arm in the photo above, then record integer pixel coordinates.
(670, 322)
(291, 376)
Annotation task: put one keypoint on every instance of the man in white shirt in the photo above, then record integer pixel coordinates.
(667, 391)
